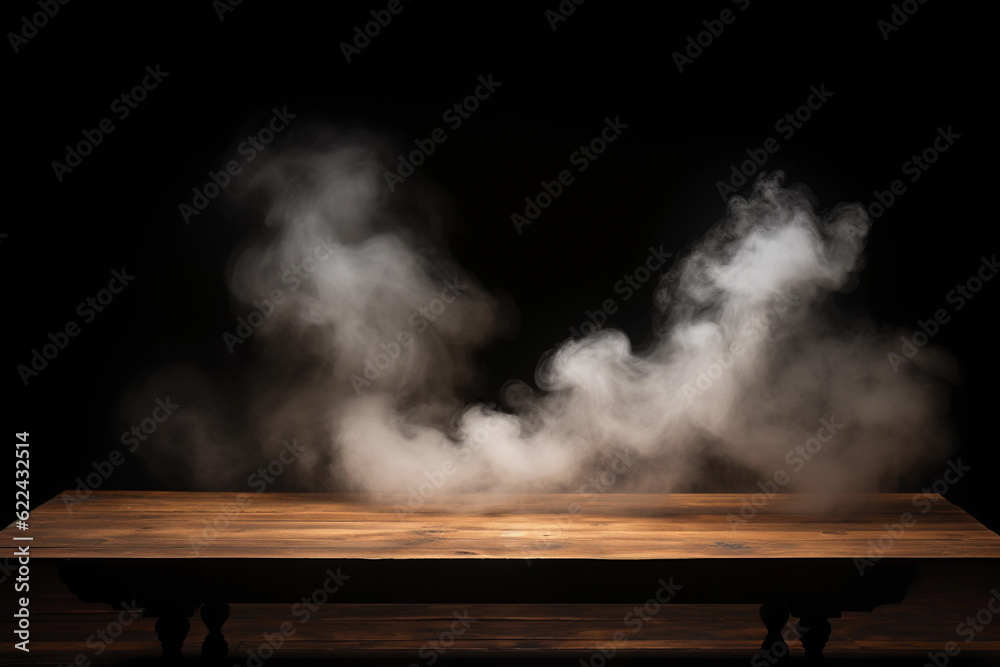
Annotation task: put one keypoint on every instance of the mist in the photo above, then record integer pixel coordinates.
(353, 374)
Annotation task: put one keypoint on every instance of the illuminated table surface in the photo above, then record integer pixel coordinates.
(173, 552)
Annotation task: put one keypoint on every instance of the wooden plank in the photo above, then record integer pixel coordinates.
(155, 524)
(666, 538)
(520, 522)
(931, 550)
(460, 521)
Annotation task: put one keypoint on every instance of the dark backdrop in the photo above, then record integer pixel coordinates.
(892, 89)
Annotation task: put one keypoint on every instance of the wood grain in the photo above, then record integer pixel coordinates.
(158, 524)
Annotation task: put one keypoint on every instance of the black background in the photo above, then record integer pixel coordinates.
(655, 185)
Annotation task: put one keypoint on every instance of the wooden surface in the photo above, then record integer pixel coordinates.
(154, 524)
(939, 599)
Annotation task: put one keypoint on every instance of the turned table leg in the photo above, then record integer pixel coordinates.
(172, 626)
(215, 647)
(814, 631)
(774, 649)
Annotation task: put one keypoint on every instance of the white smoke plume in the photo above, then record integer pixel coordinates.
(369, 346)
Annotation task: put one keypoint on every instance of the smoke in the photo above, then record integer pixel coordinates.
(365, 343)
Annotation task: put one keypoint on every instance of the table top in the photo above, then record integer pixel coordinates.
(185, 525)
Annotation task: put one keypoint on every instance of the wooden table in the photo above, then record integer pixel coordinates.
(173, 552)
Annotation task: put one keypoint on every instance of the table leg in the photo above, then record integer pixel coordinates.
(215, 647)
(172, 626)
(774, 649)
(814, 631)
